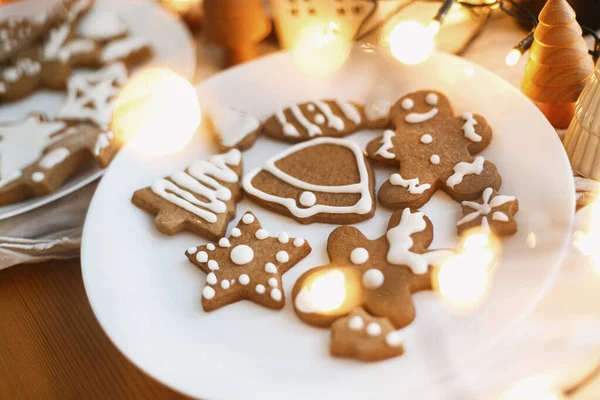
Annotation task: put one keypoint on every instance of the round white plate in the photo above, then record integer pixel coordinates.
(173, 47)
(146, 294)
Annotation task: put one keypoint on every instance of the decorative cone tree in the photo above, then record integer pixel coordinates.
(236, 25)
(559, 65)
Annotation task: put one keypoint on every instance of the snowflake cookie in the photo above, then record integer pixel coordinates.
(360, 335)
(434, 150)
(201, 199)
(380, 275)
(38, 155)
(493, 212)
(247, 265)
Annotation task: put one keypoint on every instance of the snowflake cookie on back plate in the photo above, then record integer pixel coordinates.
(434, 150)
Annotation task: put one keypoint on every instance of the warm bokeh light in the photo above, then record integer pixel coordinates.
(513, 57)
(410, 42)
(588, 241)
(434, 26)
(181, 5)
(157, 112)
(321, 49)
(328, 292)
(463, 279)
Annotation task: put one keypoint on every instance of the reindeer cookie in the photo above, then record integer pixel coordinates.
(37, 155)
(380, 275)
(434, 150)
(247, 265)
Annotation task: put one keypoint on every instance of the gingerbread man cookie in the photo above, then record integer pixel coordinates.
(380, 275)
(360, 335)
(201, 199)
(493, 212)
(247, 265)
(434, 150)
(294, 183)
(335, 118)
(38, 155)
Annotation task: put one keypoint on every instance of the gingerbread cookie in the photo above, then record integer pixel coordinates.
(335, 118)
(102, 25)
(367, 338)
(247, 265)
(21, 77)
(201, 199)
(493, 212)
(323, 180)
(232, 128)
(91, 96)
(377, 114)
(434, 150)
(131, 51)
(19, 33)
(380, 275)
(38, 155)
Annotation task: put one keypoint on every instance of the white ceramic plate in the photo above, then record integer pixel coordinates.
(173, 48)
(147, 295)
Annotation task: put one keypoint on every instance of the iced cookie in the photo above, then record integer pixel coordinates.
(232, 128)
(434, 150)
(201, 199)
(493, 212)
(247, 265)
(102, 25)
(335, 118)
(91, 96)
(380, 275)
(131, 51)
(377, 114)
(360, 335)
(38, 155)
(323, 180)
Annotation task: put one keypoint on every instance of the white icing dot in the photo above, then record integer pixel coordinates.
(298, 242)
(192, 250)
(225, 284)
(372, 278)
(235, 232)
(260, 288)
(248, 219)
(283, 238)
(242, 254)
(393, 339)
(373, 329)
(202, 257)
(435, 159)
(320, 119)
(270, 268)
(210, 246)
(224, 242)
(308, 199)
(273, 282)
(38, 176)
(359, 255)
(407, 103)
(213, 265)
(310, 107)
(356, 323)
(261, 234)
(276, 294)
(426, 138)
(431, 99)
(208, 292)
(211, 278)
(244, 279)
(282, 256)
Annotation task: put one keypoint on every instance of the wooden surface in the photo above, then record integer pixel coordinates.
(51, 346)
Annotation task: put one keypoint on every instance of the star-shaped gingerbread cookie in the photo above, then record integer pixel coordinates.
(434, 150)
(380, 275)
(247, 265)
(493, 212)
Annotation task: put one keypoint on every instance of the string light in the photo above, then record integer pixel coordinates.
(517, 52)
(436, 23)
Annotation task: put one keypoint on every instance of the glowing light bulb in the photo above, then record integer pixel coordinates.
(513, 57)
(410, 42)
(321, 49)
(434, 26)
(157, 112)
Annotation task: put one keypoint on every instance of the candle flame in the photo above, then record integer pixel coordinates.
(410, 42)
(157, 112)
(463, 279)
(321, 49)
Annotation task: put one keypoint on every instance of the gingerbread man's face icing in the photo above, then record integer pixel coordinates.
(434, 150)
(379, 275)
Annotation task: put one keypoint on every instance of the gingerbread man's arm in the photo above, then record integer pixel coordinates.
(476, 132)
